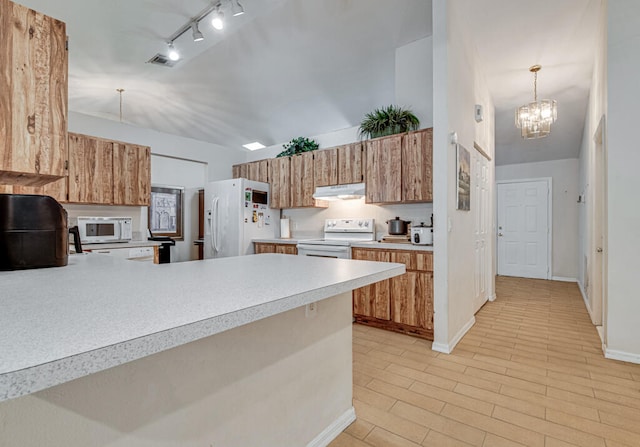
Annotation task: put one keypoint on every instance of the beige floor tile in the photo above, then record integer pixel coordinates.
(425, 402)
(383, 375)
(596, 428)
(391, 422)
(492, 440)
(359, 428)
(552, 442)
(423, 377)
(444, 425)
(521, 405)
(373, 398)
(346, 440)
(435, 439)
(452, 397)
(382, 438)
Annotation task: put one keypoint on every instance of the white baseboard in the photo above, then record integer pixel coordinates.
(564, 279)
(334, 429)
(447, 348)
(492, 297)
(586, 302)
(620, 355)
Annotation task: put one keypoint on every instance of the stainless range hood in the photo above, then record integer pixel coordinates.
(340, 192)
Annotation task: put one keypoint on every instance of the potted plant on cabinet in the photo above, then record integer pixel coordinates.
(388, 120)
(298, 146)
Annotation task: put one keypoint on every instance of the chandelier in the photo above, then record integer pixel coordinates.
(535, 118)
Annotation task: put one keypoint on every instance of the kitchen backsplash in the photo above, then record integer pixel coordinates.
(308, 222)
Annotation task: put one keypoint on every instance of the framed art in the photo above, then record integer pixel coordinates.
(463, 171)
(166, 212)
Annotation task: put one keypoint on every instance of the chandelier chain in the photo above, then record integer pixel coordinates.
(535, 86)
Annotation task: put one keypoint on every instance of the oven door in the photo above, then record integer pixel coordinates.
(325, 251)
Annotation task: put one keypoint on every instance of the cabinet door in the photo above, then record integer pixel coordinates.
(56, 189)
(287, 249)
(417, 166)
(372, 300)
(131, 174)
(280, 181)
(383, 169)
(33, 109)
(410, 293)
(90, 169)
(302, 180)
(258, 171)
(325, 167)
(261, 247)
(350, 164)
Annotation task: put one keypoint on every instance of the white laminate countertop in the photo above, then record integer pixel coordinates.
(58, 324)
(292, 241)
(364, 244)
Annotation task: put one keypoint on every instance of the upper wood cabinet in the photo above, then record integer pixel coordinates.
(340, 165)
(33, 105)
(302, 186)
(254, 170)
(325, 167)
(350, 164)
(417, 166)
(90, 169)
(399, 168)
(383, 172)
(280, 182)
(131, 174)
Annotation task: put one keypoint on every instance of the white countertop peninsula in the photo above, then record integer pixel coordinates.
(223, 352)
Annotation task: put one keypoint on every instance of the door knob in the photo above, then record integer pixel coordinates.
(599, 249)
(500, 234)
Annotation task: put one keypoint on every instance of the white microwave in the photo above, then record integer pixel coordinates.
(101, 230)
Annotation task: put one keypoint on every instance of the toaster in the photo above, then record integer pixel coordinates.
(421, 235)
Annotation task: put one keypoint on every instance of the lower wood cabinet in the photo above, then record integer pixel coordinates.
(266, 247)
(401, 304)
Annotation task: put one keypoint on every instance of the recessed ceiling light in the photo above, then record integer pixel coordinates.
(254, 146)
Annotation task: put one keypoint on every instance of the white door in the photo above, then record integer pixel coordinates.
(523, 229)
(482, 217)
(596, 286)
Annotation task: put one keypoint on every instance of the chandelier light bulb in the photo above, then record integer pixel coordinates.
(535, 119)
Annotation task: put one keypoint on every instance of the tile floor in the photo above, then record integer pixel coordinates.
(529, 373)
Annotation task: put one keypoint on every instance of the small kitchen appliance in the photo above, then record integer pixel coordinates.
(236, 212)
(338, 236)
(421, 235)
(105, 230)
(33, 232)
(397, 226)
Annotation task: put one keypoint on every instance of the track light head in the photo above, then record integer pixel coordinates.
(173, 53)
(197, 35)
(237, 8)
(218, 19)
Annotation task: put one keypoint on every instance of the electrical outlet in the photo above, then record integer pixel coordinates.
(311, 310)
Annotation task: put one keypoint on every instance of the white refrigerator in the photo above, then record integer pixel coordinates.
(236, 212)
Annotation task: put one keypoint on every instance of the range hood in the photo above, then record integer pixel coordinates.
(340, 192)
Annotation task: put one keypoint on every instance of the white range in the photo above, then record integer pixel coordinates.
(338, 236)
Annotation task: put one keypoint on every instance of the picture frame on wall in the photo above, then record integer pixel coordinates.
(166, 211)
(463, 176)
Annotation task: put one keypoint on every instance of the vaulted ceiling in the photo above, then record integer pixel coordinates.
(305, 67)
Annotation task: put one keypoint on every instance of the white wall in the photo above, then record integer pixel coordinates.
(565, 184)
(623, 237)
(414, 79)
(458, 84)
(216, 159)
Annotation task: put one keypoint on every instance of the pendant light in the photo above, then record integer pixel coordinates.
(535, 119)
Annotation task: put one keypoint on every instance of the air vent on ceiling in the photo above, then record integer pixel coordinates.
(160, 59)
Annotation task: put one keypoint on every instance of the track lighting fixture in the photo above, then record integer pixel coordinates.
(173, 53)
(197, 35)
(218, 19)
(214, 9)
(236, 8)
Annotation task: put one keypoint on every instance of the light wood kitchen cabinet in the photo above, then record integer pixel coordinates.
(399, 168)
(90, 169)
(285, 249)
(302, 186)
(33, 109)
(325, 167)
(280, 182)
(383, 169)
(417, 166)
(403, 303)
(255, 170)
(350, 164)
(56, 189)
(131, 174)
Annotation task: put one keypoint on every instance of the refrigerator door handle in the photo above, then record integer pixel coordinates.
(216, 215)
(213, 224)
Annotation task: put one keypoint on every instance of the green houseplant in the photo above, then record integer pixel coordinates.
(388, 120)
(298, 146)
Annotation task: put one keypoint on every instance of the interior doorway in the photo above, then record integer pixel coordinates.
(524, 228)
(596, 290)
